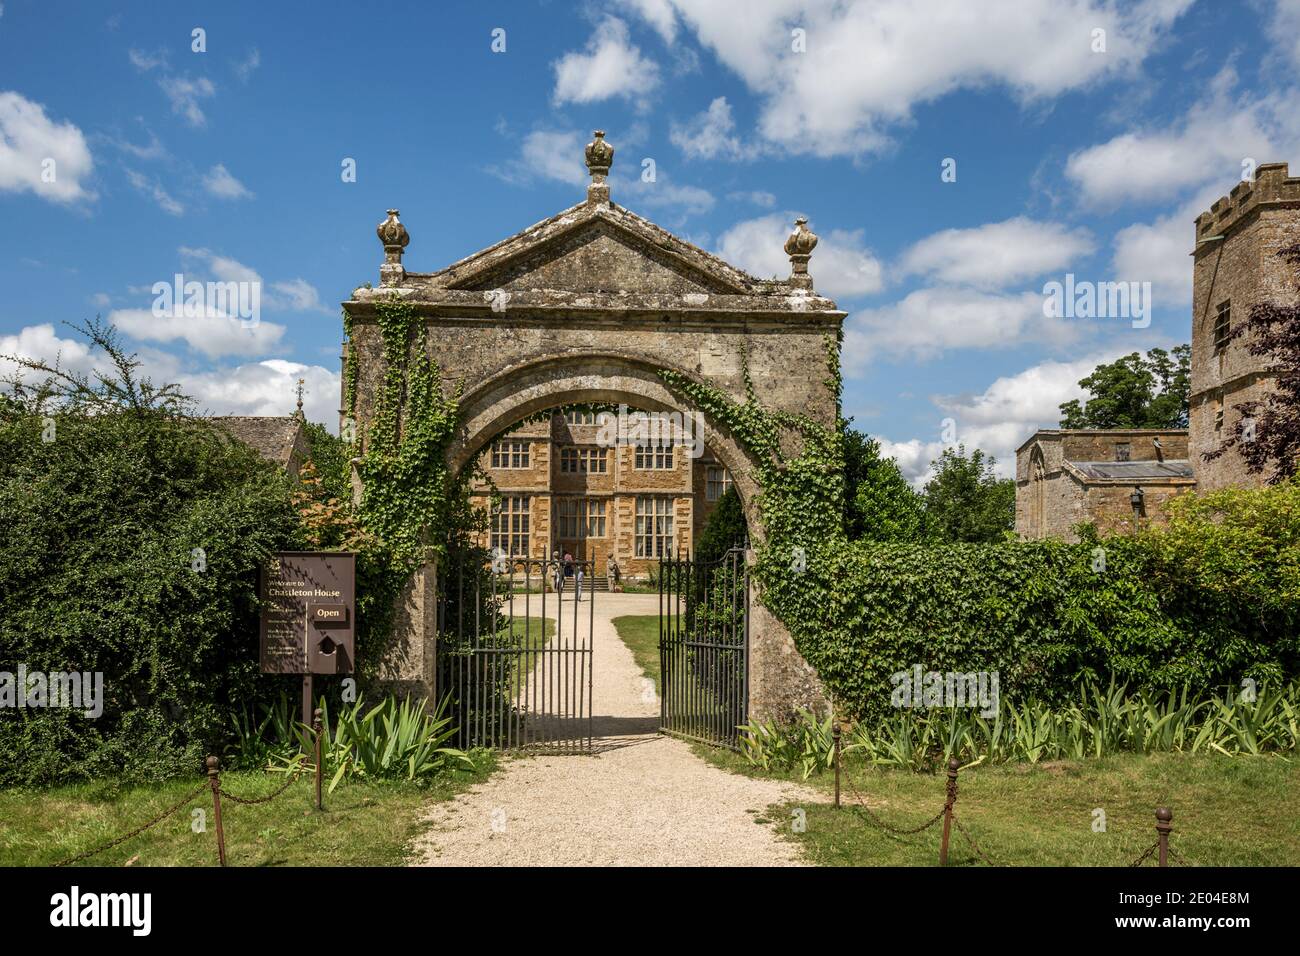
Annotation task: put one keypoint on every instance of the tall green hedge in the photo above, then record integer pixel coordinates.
(98, 531)
(1212, 599)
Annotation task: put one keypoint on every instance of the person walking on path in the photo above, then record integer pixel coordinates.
(612, 571)
(569, 571)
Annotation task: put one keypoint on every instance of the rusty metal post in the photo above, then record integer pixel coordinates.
(1164, 825)
(835, 735)
(214, 781)
(318, 726)
(948, 804)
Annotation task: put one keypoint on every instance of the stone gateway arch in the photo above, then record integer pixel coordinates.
(589, 306)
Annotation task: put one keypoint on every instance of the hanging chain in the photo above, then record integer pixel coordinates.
(138, 830)
(875, 820)
(250, 801)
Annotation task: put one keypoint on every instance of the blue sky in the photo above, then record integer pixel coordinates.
(226, 163)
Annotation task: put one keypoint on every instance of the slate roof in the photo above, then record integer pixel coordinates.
(1135, 470)
(271, 436)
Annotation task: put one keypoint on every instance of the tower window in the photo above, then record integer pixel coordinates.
(1222, 327)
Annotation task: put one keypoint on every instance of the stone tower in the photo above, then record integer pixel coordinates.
(1236, 267)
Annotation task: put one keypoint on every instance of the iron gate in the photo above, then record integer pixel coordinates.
(514, 653)
(704, 648)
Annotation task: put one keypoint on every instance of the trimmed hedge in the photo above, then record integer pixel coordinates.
(1212, 599)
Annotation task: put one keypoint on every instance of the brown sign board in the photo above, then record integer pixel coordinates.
(309, 613)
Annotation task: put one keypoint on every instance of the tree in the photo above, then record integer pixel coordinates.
(965, 501)
(1268, 433)
(1135, 392)
(134, 534)
(879, 503)
(725, 529)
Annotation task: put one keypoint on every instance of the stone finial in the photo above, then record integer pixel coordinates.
(799, 246)
(600, 156)
(394, 236)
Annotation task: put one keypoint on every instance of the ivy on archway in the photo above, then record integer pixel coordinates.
(799, 470)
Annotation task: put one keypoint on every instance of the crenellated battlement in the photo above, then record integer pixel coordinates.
(1272, 186)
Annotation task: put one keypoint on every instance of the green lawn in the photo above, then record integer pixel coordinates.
(1227, 811)
(640, 632)
(363, 824)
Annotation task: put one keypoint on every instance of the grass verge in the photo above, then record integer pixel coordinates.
(1226, 812)
(363, 823)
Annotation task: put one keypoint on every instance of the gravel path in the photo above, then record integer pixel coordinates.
(642, 799)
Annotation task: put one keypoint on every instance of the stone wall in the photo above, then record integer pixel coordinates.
(1241, 269)
(589, 307)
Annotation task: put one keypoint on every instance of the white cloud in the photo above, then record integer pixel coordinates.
(1284, 29)
(41, 342)
(932, 321)
(144, 62)
(289, 295)
(258, 388)
(265, 388)
(867, 65)
(996, 254)
(999, 419)
(152, 188)
(663, 193)
(841, 266)
(297, 295)
(154, 149)
(182, 91)
(222, 267)
(244, 68)
(101, 299)
(213, 334)
(1206, 145)
(184, 94)
(28, 140)
(711, 135)
(759, 197)
(612, 66)
(658, 13)
(219, 182)
(547, 154)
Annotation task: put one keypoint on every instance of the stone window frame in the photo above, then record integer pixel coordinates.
(580, 518)
(654, 526)
(582, 460)
(1222, 326)
(1123, 451)
(511, 454)
(578, 416)
(653, 456)
(510, 525)
(716, 487)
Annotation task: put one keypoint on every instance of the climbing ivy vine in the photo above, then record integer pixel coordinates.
(410, 502)
(799, 469)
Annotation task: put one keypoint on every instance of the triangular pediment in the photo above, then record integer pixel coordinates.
(596, 249)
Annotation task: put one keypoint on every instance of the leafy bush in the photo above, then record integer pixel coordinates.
(1212, 598)
(99, 572)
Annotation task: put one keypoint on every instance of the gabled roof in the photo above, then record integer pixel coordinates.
(567, 230)
(274, 437)
(597, 258)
